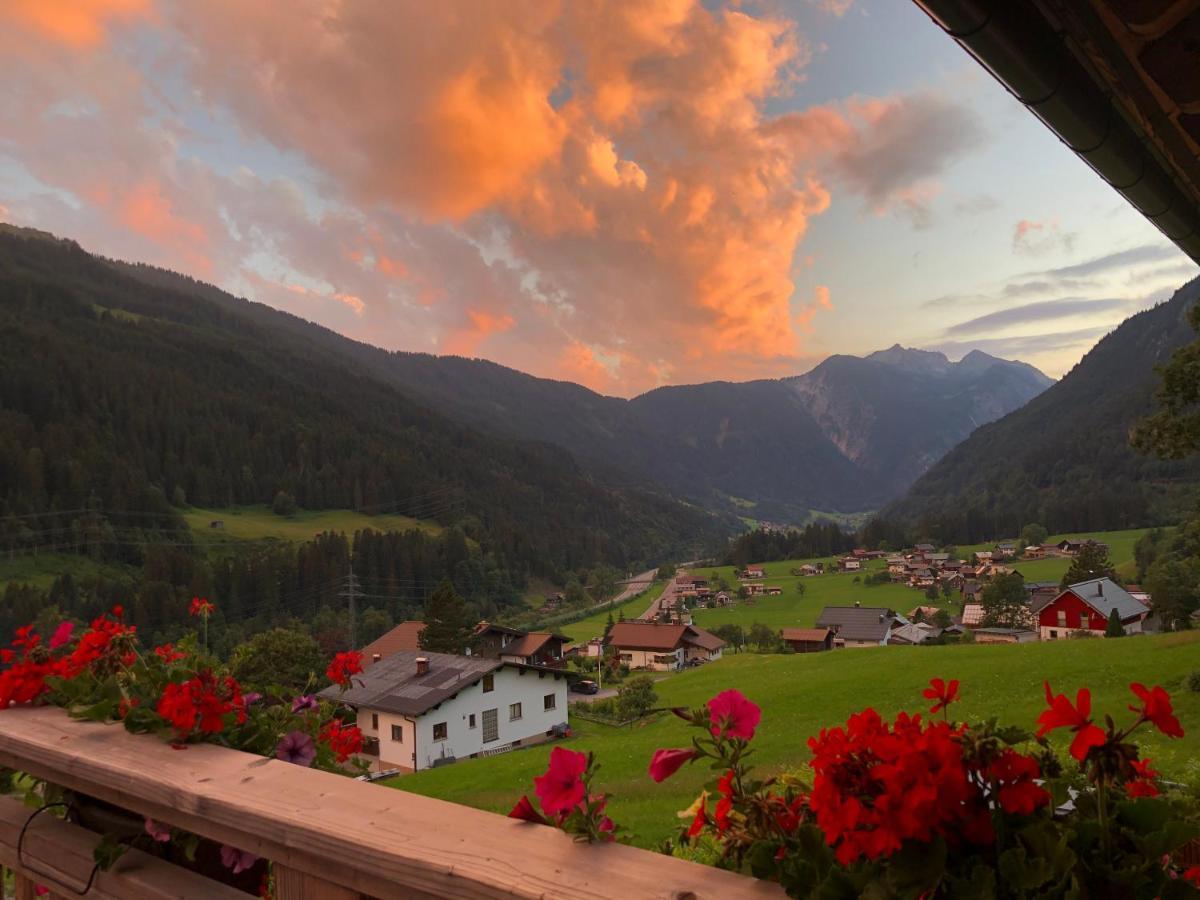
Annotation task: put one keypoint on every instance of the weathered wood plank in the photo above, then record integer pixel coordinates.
(377, 841)
(291, 884)
(54, 845)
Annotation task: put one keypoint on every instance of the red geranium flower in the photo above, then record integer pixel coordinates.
(343, 666)
(201, 607)
(701, 817)
(201, 702)
(1156, 709)
(1062, 714)
(526, 813)
(1143, 785)
(944, 693)
(343, 740)
(666, 763)
(1192, 875)
(561, 788)
(168, 654)
(732, 715)
(1014, 776)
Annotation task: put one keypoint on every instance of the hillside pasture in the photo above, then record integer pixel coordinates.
(253, 523)
(802, 693)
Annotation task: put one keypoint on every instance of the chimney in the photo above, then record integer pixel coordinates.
(422, 665)
(1099, 588)
(375, 657)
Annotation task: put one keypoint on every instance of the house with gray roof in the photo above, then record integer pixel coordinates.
(1086, 607)
(419, 709)
(858, 626)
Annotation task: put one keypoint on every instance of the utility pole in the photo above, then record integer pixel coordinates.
(350, 592)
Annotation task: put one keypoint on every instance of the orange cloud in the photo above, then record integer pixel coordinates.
(393, 268)
(465, 340)
(76, 23)
(809, 311)
(147, 211)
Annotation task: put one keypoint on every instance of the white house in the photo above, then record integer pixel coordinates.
(418, 709)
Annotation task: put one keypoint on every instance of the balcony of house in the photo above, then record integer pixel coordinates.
(327, 836)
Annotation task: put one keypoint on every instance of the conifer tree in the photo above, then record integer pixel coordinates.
(448, 626)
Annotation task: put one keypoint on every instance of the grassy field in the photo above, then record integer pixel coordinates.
(800, 694)
(258, 522)
(42, 569)
(791, 610)
(593, 625)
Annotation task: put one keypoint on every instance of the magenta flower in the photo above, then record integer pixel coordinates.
(296, 747)
(251, 698)
(304, 704)
(237, 860)
(158, 831)
(62, 635)
(733, 716)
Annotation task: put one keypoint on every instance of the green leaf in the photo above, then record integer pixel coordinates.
(1018, 871)
(981, 885)
(108, 851)
(1144, 815)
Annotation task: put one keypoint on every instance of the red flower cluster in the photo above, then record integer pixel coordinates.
(202, 702)
(877, 786)
(343, 740)
(29, 667)
(343, 666)
(201, 607)
(1014, 776)
(107, 644)
(168, 654)
(1143, 784)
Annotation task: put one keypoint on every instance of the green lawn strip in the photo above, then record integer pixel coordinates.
(802, 693)
(258, 522)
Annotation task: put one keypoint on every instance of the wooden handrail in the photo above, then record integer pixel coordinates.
(363, 838)
(57, 852)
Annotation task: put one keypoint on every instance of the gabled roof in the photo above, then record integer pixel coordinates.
(917, 633)
(485, 627)
(660, 636)
(393, 684)
(404, 636)
(972, 614)
(531, 643)
(1104, 595)
(805, 634)
(857, 623)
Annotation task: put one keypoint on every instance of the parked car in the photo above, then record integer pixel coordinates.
(585, 686)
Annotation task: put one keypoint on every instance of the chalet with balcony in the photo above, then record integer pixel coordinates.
(418, 709)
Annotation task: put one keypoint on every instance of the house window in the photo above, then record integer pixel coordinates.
(374, 721)
(549, 701)
(514, 711)
(398, 734)
(1053, 634)
(1062, 618)
(489, 683)
(471, 720)
(439, 731)
(491, 728)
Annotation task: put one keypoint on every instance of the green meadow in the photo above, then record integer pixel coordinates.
(258, 522)
(799, 694)
(593, 625)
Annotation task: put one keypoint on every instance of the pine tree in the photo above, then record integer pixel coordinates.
(608, 626)
(448, 626)
(1091, 562)
(1115, 628)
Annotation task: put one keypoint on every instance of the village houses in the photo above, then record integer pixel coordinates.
(662, 647)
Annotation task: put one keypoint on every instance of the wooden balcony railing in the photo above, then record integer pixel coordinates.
(330, 838)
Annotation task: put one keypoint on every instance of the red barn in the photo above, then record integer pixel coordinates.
(1086, 607)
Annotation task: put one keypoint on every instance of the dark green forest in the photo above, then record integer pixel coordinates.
(123, 401)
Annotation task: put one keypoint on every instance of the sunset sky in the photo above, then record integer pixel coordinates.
(620, 194)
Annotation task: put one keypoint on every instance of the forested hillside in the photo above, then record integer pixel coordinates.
(122, 400)
(1064, 460)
